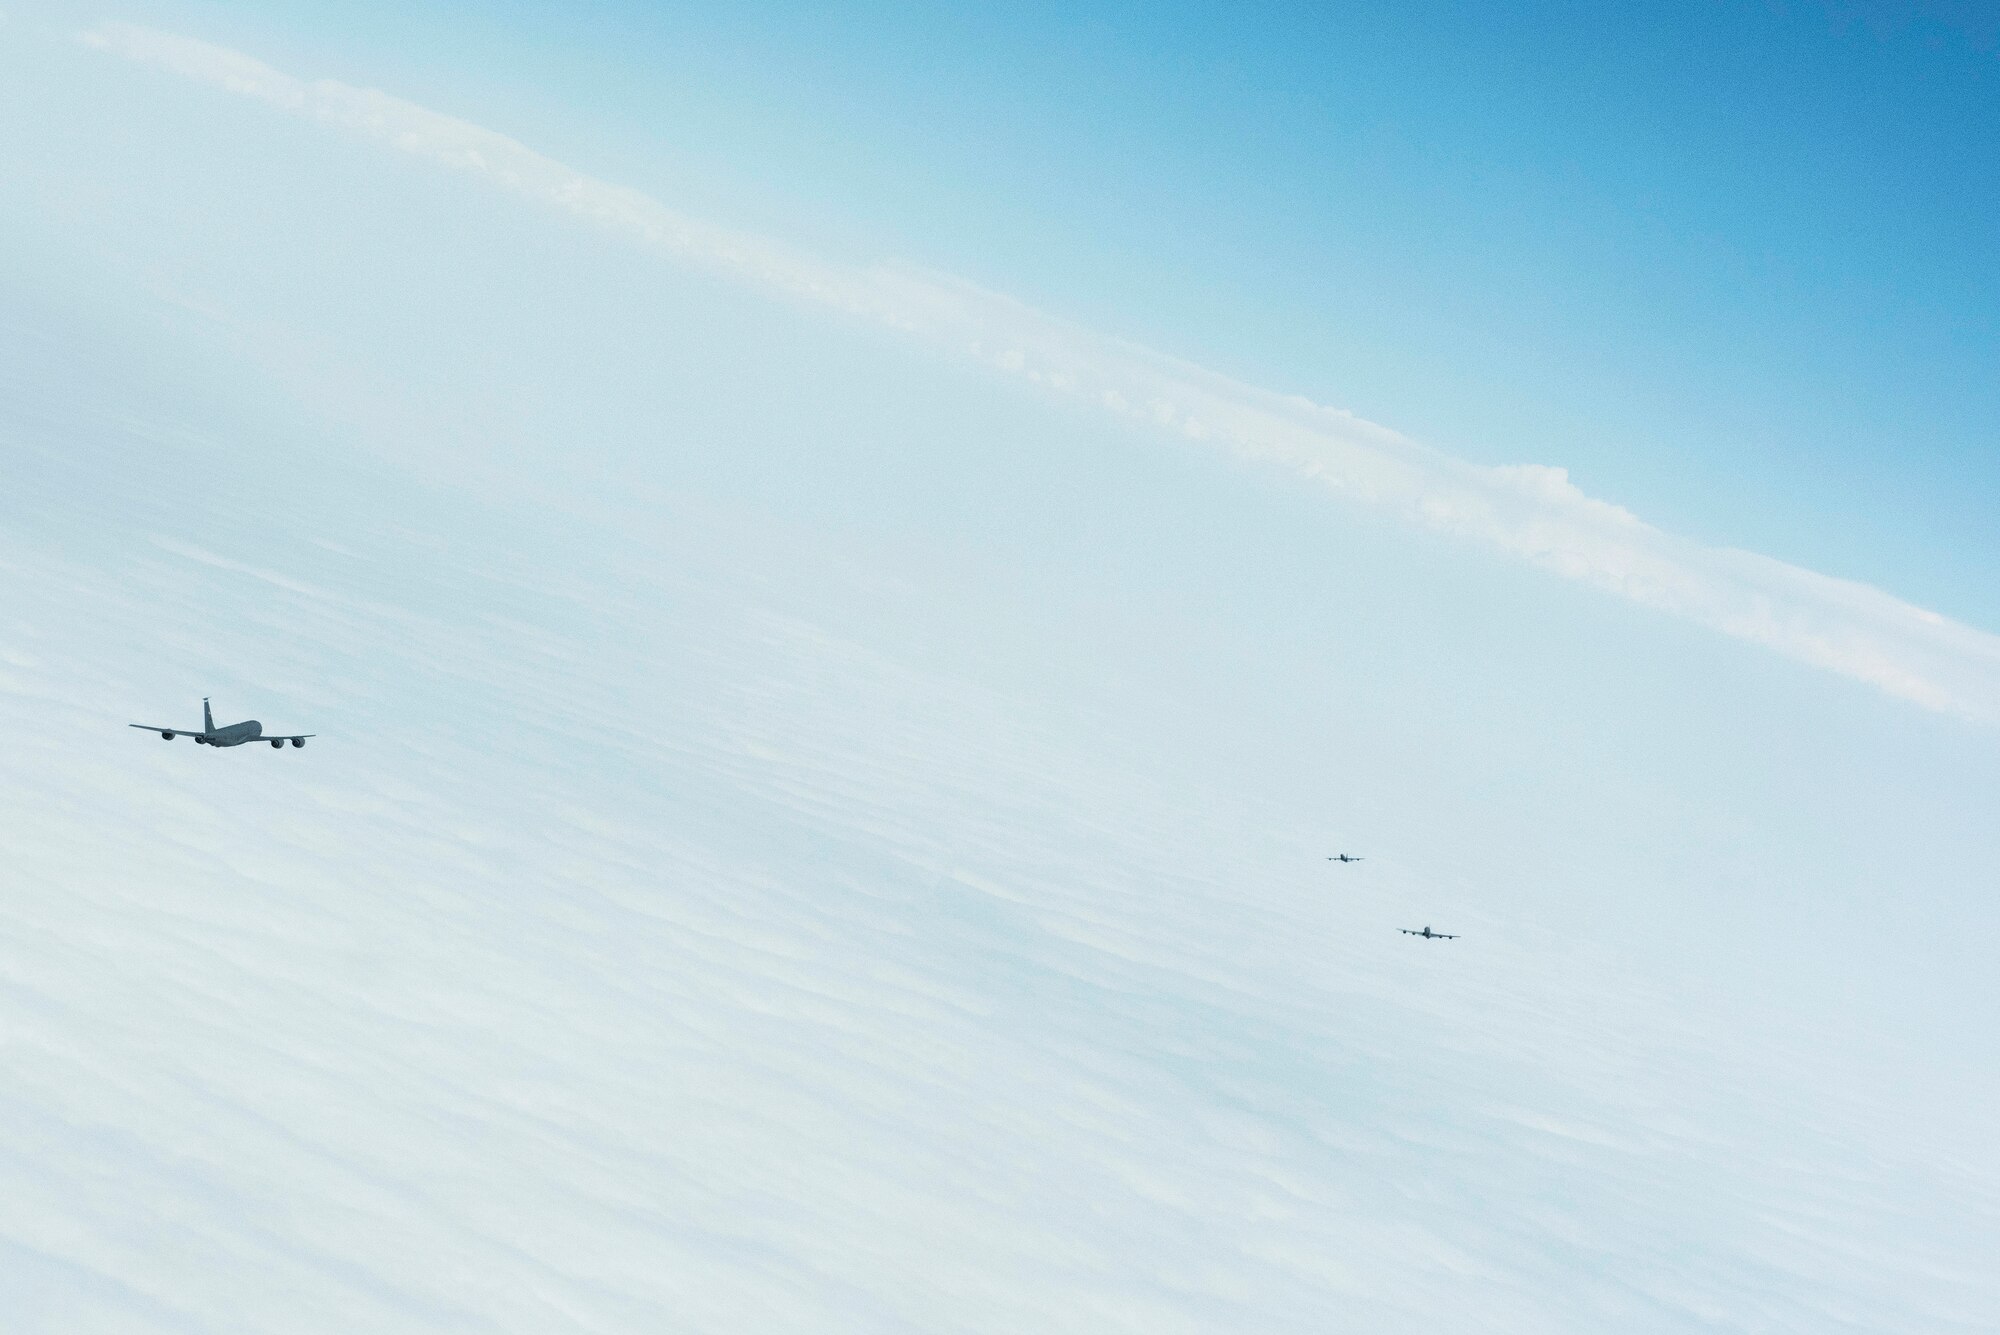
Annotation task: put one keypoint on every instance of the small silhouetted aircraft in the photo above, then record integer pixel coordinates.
(250, 730)
(1428, 934)
(1342, 857)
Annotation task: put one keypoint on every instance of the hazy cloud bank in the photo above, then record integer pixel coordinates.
(840, 996)
(1532, 512)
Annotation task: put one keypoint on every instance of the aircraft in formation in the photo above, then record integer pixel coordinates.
(250, 730)
(1427, 934)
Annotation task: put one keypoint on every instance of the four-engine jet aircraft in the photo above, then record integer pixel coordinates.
(1428, 934)
(250, 730)
(1342, 857)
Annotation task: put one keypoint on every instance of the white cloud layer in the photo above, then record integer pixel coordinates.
(632, 954)
(1531, 512)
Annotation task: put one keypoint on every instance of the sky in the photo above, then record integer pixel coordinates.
(849, 571)
(1728, 260)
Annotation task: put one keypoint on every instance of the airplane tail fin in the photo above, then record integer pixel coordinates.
(207, 719)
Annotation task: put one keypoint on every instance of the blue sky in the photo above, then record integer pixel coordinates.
(1729, 263)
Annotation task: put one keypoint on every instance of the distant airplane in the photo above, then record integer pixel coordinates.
(250, 730)
(1428, 934)
(1342, 857)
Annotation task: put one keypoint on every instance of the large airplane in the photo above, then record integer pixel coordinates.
(1427, 934)
(250, 730)
(1342, 857)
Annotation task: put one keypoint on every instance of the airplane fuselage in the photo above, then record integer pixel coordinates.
(250, 730)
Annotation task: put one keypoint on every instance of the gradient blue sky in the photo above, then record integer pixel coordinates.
(1731, 263)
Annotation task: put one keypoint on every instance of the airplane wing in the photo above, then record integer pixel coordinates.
(1449, 936)
(283, 736)
(178, 732)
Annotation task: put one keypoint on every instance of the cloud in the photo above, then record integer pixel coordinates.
(841, 996)
(1531, 512)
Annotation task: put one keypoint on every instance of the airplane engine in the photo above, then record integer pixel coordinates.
(298, 741)
(169, 736)
(277, 742)
(199, 741)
